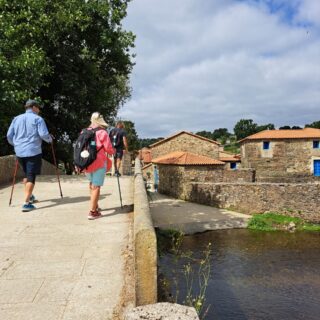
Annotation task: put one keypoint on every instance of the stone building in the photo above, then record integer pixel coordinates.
(283, 155)
(187, 142)
(233, 161)
(177, 170)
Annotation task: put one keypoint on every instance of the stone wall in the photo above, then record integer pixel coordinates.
(7, 167)
(188, 143)
(175, 180)
(288, 160)
(295, 199)
(145, 244)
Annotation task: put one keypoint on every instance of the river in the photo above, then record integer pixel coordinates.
(255, 275)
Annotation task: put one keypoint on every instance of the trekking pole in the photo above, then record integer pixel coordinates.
(13, 180)
(114, 163)
(57, 171)
(119, 191)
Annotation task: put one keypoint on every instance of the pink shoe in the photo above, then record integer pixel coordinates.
(94, 215)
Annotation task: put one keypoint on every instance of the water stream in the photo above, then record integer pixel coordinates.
(256, 275)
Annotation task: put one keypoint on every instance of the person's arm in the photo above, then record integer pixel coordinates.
(43, 131)
(125, 142)
(10, 133)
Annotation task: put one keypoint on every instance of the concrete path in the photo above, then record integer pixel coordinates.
(55, 263)
(188, 217)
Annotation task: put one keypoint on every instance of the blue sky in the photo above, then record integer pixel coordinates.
(205, 64)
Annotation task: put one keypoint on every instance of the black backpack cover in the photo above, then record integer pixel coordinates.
(85, 142)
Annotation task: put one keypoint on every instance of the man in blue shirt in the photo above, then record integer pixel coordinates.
(26, 133)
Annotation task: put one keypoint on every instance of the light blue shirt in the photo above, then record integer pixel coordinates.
(26, 133)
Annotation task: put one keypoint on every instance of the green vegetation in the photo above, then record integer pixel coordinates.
(273, 221)
(194, 274)
(74, 55)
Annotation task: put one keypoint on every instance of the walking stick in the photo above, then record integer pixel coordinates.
(13, 181)
(114, 163)
(119, 191)
(57, 171)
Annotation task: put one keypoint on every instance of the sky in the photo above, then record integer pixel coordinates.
(206, 64)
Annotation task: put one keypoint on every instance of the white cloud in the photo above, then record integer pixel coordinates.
(206, 64)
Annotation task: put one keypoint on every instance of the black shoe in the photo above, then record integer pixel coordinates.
(117, 174)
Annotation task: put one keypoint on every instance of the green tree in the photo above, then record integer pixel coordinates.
(132, 137)
(146, 142)
(285, 128)
(315, 124)
(244, 128)
(72, 54)
(221, 133)
(205, 134)
(269, 126)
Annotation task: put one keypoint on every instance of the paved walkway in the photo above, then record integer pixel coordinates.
(56, 264)
(188, 217)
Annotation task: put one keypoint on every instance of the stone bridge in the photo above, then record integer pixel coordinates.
(55, 263)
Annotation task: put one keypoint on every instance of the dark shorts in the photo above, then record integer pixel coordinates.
(118, 154)
(31, 166)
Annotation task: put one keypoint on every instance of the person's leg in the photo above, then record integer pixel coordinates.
(118, 158)
(28, 189)
(91, 188)
(94, 197)
(97, 180)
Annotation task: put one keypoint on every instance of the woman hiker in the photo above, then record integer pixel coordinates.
(96, 171)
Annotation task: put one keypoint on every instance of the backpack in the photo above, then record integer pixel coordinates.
(115, 138)
(85, 150)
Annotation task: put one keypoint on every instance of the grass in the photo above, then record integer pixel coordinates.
(273, 221)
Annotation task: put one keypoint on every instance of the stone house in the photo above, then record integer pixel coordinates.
(178, 169)
(145, 156)
(187, 142)
(233, 161)
(283, 155)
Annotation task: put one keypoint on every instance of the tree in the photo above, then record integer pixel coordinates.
(72, 54)
(244, 128)
(285, 128)
(132, 137)
(205, 134)
(269, 126)
(146, 142)
(315, 124)
(220, 133)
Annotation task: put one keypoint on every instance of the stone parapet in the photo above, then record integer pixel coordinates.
(167, 311)
(145, 244)
(7, 168)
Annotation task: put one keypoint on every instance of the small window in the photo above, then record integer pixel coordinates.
(316, 144)
(266, 145)
(233, 165)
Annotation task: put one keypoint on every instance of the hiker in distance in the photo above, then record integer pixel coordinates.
(26, 133)
(118, 137)
(96, 171)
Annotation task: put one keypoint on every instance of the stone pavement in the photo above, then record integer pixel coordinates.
(55, 263)
(189, 217)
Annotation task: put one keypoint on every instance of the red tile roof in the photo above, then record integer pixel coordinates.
(186, 159)
(227, 156)
(181, 132)
(306, 133)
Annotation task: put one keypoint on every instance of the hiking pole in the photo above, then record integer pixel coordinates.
(119, 191)
(114, 163)
(57, 171)
(13, 180)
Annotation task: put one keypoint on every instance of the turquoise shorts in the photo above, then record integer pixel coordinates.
(97, 177)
